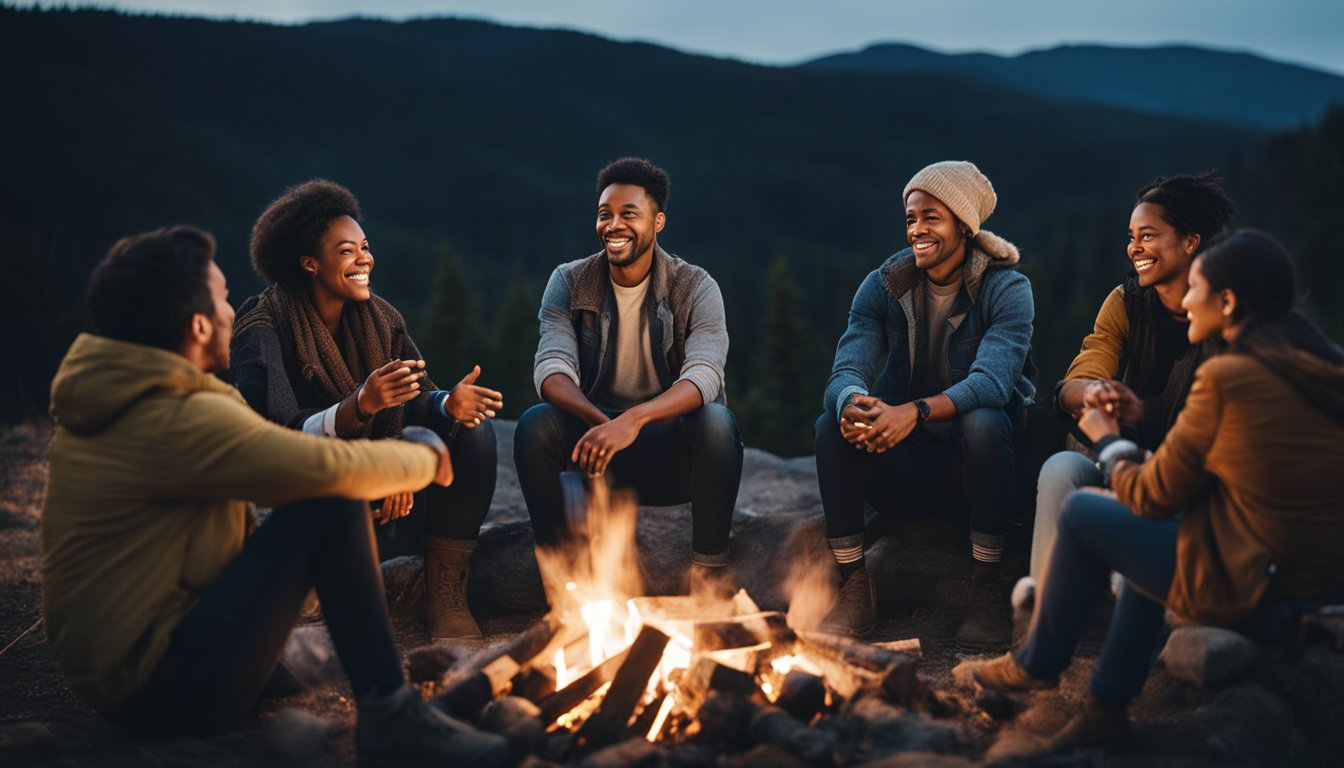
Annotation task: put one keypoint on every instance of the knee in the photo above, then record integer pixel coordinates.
(475, 444)
(1073, 514)
(715, 428)
(1063, 472)
(537, 430)
(826, 434)
(986, 429)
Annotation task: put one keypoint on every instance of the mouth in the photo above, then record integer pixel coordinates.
(360, 278)
(923, 246)
(616, 242)
(1142, 265)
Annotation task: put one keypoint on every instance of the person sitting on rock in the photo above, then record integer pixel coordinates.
(1139, 338)
(320, 352)
(162, 611)
(630, 369)
(929, 374)
(1236, 518)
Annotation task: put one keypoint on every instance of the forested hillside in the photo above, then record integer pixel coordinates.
(473, 148)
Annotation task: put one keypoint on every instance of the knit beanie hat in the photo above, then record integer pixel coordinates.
(961, 187)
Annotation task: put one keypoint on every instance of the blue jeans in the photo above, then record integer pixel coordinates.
(979, 443)
(223, 652)
(1062, 474)
(455, 511)
(1097, 535)
(695, 458)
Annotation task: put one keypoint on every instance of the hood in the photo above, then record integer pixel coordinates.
(1320, 381)
(101, 378)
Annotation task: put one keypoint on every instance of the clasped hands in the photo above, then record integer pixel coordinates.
(600, 444)
(1105, 405)
(872, 425)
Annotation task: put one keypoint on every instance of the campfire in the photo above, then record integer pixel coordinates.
(609, 664)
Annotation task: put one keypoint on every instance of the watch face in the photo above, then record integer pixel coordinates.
(922, 408)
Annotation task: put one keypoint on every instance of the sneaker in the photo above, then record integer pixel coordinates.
(855, 610)
(401, 729)
(1095, 725)
(1005, 675)
(987, 625)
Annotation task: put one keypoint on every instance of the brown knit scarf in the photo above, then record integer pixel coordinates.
(336, 365)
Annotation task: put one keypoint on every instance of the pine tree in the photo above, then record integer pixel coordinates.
(515, 347)
(450, 335)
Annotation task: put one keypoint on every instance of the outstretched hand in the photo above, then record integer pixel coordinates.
(470, 404)
(396, 382)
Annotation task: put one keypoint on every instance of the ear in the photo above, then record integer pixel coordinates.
(308, 264)
(1229, 303)
(659, 222)
(1192, 244)
(201, 330)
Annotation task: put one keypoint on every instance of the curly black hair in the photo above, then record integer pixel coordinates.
(641, 173)
(293, 226)
(149, 286)
(1195, 204)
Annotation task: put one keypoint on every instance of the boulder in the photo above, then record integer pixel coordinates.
(1209, 656)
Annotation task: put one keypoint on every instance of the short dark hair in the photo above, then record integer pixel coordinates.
(1195, 204)
(293, 226)
(149, 285)
(641, 173)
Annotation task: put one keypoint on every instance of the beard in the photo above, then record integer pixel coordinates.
(637, 249)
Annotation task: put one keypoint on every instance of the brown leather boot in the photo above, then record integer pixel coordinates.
(447, 564)
(1095, 725)
(855, 610)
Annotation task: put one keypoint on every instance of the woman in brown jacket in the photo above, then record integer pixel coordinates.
(1237, 516)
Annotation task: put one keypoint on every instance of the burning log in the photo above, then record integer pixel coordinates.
(489, 673)
(707, 675)
(802, 695)
(742, 631)
(573, 694)
(851, 666)
(608, 724)
(773, 725)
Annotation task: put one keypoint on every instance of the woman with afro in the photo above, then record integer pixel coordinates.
(318, 351)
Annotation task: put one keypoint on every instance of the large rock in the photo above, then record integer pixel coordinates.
(1208, 656)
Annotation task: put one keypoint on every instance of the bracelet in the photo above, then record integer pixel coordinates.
(359, 412)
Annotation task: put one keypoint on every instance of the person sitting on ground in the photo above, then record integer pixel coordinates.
(320, 352)
(1138, 354)
(1234, 521)
(928, 377)
(162, 611)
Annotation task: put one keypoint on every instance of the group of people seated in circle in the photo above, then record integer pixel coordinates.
(1207, 405)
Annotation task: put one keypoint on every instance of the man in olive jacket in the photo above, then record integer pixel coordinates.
(163, 614)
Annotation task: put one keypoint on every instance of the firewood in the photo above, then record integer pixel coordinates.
(520, 649)
(741, 631)
(850, 666)
(802, 695)
(534, 683)
(773, 725)
(573, 694)
(608, 724)
(706, 675)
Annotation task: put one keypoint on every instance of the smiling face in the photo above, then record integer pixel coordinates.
(1206, 309)
(628, 223)
(935, 234)
(340, 271)
(1159, 253)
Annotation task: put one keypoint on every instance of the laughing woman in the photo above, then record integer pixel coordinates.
(320, 352)
(1235, 521)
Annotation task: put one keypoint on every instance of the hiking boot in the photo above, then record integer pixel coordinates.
(1095, 725)
(1005, 675)
(987, 625)
(855, 610)
(402, 729)
(447, 565)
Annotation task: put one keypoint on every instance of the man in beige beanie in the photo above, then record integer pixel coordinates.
(928, 380)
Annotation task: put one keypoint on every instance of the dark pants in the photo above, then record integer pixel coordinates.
(979, 443)
(1097, 535)
(223, 652)
(695, 458)
(454, 512)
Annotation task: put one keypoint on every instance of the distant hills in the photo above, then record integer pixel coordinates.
(1224, 86)
(484, 140)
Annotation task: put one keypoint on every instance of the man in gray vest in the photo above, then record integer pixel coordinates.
(630, 371)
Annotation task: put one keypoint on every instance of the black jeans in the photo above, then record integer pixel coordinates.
(224, 651)
(454, 512)
(979, 442)
(695, 458)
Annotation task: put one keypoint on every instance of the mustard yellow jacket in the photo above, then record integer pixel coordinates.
(152, 466)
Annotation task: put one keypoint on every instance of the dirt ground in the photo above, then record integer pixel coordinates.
(1287, 714)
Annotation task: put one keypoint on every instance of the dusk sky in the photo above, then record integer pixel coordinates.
(1301, 31)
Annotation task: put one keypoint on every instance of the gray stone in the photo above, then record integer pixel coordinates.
(310, 656)
(301, 736)
(1208, 656)
(25, 741)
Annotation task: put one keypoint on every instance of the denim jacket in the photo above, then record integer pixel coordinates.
(986, 351)
(687, 327)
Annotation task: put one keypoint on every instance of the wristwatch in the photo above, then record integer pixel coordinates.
(921, 411)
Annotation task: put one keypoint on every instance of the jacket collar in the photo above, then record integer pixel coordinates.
(986, 251)
(590, 284)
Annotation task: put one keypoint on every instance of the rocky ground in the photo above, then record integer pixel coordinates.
(1216, 701)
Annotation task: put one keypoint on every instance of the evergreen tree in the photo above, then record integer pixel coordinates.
(515, 347)
(450, 335)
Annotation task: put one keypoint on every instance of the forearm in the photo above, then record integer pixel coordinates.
(941, 408)
(681, 398)
(561, 391)
(1071, 395)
